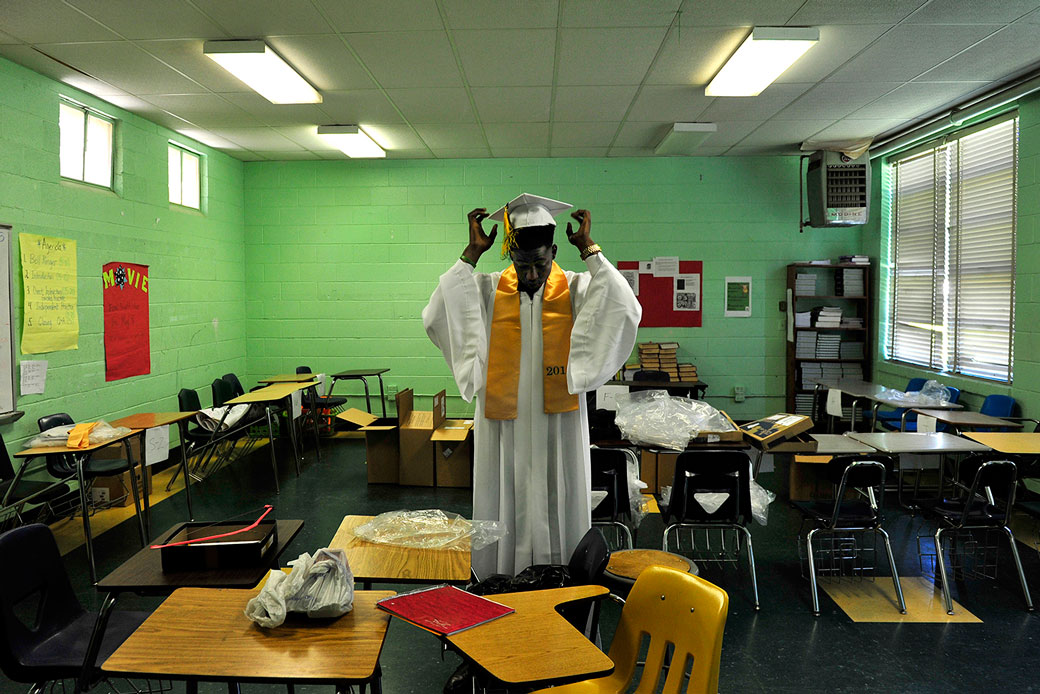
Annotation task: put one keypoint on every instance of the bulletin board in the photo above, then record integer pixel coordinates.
(669, 301)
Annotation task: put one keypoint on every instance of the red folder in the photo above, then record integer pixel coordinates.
(444, 610)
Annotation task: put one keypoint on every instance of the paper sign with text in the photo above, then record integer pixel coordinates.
(50, 321)
(34, 376)
(125, 294)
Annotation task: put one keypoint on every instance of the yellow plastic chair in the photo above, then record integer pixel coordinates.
(671, 607)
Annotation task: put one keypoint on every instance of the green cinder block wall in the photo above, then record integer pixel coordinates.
(342, 256)
(196, 260)
(1025, 387)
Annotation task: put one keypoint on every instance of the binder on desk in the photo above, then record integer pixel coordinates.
(444, 610)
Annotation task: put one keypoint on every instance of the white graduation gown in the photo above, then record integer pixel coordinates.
(532, 473)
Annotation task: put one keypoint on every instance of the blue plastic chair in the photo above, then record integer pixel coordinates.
(997, 406)
(896, 416)
(911, 424)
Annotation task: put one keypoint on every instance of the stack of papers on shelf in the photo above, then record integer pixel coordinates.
(852, 350)
(857, 259)
(805, 284)
(849, 282)
(828, 317)
(831, 372)
(853, 371)
(811, 372)
(803, 404)
(851, 322)
(828, 346)
(803, 319)
(822, 261)
(805, 345)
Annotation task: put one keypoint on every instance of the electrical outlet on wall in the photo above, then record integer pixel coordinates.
(391, 390)
(739, 392)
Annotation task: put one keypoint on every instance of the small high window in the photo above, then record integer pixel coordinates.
(85, 149)
(184, 176)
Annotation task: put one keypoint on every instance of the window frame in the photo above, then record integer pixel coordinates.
(200, 159)
(88, 113)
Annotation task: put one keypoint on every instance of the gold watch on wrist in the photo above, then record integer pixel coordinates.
(590, 250)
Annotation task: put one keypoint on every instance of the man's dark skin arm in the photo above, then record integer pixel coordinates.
(478, 240)
(580, 239)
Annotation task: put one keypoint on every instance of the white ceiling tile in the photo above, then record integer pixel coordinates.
(607, 56)
(433, 105)
(7, 38)
(673, 104)
(461, 153)
(207, 138)
(917, 98)
(276, 114)
(763, 151)
(640, 135)
(170, 19)
(592, 103)
(852, 128)
(731, 132)
(513, 105)
(706, 151)
(618, 13)
(815, 12)
(507, 57)
(517, 135)
(204, 110)
(769, 102)
(305, 136)
(784, 132)
(518, 153)
(484, 14)
(907, 51)
(583, 134)
(185, 55)
(743, 13)
(51, 21)
(408, 154)
(257, 139)
(278, 155)
(837, 45)
(34, 60)
(413, 59)
(835, 100)
(460, 136)
(125, 66)
(385, 15)
(565, 152)
(164, 118)
(630, 152)
(1032, 18)
(246, 155)
(394, 137)
(1010, 50)
(359, 106)
(692, 55)
(245, 18)
(971, 12)
(323, 60)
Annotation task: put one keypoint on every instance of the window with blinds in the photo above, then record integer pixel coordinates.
(953, 253)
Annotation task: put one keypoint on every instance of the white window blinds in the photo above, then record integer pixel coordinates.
(953, 265)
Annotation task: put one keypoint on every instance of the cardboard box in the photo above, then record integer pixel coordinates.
(114, 490)
(763, 433)
(648, 470)
(806, 482)
(666, 469)
(382, 453)
(453, 453)
(716, 436)
(416, 467)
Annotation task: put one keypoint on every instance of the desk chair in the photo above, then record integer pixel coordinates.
(997, 405)
(44, 630)
(16, 492)
(327, 403)
(712, 472)
(684, 617)
(896, 415)
(197, 437)
(987, 505)
(911, 419)
(610, 475)
(859, 498)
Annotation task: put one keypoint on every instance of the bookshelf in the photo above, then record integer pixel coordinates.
(830, 305)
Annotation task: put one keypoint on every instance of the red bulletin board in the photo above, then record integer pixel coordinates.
(657, 296)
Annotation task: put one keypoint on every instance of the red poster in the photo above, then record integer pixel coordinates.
(669, 302)
(125, 288)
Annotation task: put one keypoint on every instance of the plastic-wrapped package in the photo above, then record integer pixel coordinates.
(431, 529)
(760, 500)
(321, 587)
(59, 435)
(932, 393)
(652, 417)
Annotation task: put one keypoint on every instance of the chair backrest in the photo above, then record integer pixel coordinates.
(303, 370)
(221, 390)
(589, 559)
(236, 385)
(671, 607)
(50, 421)
(60, 466)
(188, 400)
(862, 473)
(998, 405)
(915, 384)
(36, 598)
(648, 375)
(988, 472)
(723, 472)
(610, 473)
(6, 467)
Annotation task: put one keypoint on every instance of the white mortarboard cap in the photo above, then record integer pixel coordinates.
(526, 210)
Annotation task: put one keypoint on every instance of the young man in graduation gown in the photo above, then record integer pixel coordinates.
(526, 342)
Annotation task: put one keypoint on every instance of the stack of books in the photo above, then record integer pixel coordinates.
(803, 404)
(687, 373)
(853, 371)
(660, 356)
(828, 317)
(857, 259)
(803, 319)
(811, 372)
(805, 284)
(851, 322)
(805, 345)
(831, 371)
(649, 356)
(849, 282)
(852, 350)
(828, 346)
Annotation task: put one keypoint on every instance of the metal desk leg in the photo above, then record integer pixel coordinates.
(292, 432)
(902, 419)
(852, 421)
(382, 395)
(88, 539)
(270, 435)
(143, 518)
(314, 421)
(368, 401)
(182, 426)
(873, 416)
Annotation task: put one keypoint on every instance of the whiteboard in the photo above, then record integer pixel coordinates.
(6, 329)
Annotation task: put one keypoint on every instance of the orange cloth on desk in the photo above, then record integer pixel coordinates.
(79, 437)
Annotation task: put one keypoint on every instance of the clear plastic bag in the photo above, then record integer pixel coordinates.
(652, 417)
(321, 587)
(59, 435)
(760, 500)
(932, 393)
(431, 529)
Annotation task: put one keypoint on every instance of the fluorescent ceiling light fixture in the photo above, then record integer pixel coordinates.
(763, 57)
(684, 138)
(352, 141)
(263, 70)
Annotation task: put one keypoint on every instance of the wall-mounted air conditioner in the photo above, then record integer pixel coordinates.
(838, 189)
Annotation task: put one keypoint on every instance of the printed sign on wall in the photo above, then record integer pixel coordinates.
(125, 289)
(50, 321)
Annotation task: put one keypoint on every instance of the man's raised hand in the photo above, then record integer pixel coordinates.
(580, 239)
(478, 240)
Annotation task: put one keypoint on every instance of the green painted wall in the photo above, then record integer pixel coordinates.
(343, 256)
(1026, 386)
(197, 260)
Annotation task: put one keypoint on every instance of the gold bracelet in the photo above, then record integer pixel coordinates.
(590, 250)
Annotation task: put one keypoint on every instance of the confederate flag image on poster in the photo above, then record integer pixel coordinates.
(125, 290)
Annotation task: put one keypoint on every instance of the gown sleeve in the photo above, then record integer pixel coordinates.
(456, 321)
(606, 317)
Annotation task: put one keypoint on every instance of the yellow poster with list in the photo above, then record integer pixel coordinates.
(50, 321)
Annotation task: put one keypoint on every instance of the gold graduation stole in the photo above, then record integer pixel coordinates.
(503, 370)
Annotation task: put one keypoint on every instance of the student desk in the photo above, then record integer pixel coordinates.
(694, 389)
(371, 562)
(967, 420)
(203, 634)
(864, 390)
(1013, 442)
(535, 646)
(81, 456)
(362, 375)
(286, 378)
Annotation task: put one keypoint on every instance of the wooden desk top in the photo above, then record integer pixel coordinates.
(629, 563)
(278, 391)
(918, 442)
(385, 563)
(966, 420)
(203, 633)
(149, 420)
(535, 644)
(852, 387)
(359, 373)
(836, 444)
(59, 450)
(142, 573)
(1025, 443)
(287, 378)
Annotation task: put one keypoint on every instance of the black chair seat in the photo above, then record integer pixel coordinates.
(64, 650)
(106, 466)
(952, 510)
(853, 512)
(325, 401)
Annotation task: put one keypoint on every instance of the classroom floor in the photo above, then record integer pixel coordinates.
(782, 648)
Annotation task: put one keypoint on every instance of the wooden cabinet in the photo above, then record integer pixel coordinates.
(828, 310)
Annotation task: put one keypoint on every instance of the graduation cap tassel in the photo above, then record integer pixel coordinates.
(508, 233)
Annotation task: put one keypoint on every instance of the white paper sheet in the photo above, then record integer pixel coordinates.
(833, 407)
(687, 294)
(925, 424)
(666, 266)
(156, 445)
(34, 376)
(606, 397)
(632, 277)
(297, 404)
